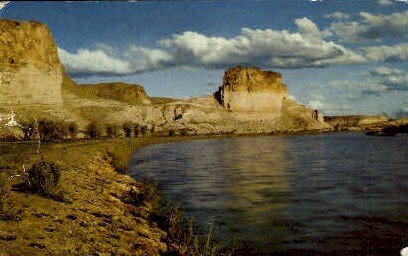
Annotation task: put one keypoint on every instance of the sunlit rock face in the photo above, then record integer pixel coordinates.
(30, 71)
(247, 89)
(33, 84)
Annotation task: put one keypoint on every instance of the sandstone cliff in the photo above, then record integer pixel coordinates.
(33, 83)
(30, 71)
(355, 122)
(251, 90)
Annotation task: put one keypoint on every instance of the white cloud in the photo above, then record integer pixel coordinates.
(143, 58)
(393, 79)
(315, 104)
(268, 48)
(337, 16)
(372, 27)
(3, 4)
(398, 52)
(91, 62)
(384, 2)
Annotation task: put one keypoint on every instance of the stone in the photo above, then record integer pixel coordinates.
(247, 89)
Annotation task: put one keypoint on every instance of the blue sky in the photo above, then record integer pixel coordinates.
(342, 57)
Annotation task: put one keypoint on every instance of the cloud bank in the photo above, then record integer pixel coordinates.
(372, 27)
(307, 46)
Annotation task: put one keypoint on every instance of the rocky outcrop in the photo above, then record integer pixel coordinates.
(247, 89)
(355, 122)
(33, 83)
(30, 70)
(132, 94)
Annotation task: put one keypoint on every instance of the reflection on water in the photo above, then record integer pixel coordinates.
(310, 194)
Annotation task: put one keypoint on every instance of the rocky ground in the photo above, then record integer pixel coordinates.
(92, 218)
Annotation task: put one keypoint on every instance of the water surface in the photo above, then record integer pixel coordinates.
(304, 194)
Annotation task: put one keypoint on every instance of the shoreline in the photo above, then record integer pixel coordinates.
(95, 211)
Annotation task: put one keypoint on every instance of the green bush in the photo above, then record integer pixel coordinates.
(52, 130)
(127, 128)
(43, 178)
(112, 130)
(94, 129)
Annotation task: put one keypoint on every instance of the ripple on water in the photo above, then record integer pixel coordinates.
(298, 195)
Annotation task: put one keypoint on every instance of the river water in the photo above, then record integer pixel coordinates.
(295, 195)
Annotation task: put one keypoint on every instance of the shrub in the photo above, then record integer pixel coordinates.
(172, 132)
(52, 130)
(43, 178)
(72, 129)
(127, 128)
(4, 190)
(9, 210)
(94, 130)
(153, 129)
(119, 165)
(143, 130)
(148, 194)
(136, 130)
(29, 128)
(112, 130)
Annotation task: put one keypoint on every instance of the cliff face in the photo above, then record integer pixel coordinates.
(33, 83)
(30, 71)
(246, 89)
(355, 122)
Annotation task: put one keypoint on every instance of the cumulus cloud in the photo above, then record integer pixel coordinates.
(377, 82)
(372, 27)
(398, 52)
(393, 79)
(268, 48)
(143, 58)
(308, 46)
(3, 4)
(93, 62)
(402, 112)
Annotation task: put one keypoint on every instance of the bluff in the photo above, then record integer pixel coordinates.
(247, 89)
(30, 70)
(33, 83)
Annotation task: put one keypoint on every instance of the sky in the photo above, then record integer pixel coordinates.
(338, 56)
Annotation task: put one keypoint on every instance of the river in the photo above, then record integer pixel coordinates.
(297, 195)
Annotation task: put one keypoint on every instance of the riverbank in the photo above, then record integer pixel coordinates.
(93, 218)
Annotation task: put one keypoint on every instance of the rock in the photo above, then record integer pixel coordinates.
(247, 89)
(30, 70)
(7, 236)
(33, 83)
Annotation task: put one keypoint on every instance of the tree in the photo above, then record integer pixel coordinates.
(94, 130)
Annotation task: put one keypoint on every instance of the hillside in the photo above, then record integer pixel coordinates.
(34, 84)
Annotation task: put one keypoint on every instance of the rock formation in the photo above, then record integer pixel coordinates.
(30, 70)
(252, 90)
(33, 83)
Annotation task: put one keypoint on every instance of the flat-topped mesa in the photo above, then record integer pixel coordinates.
(247, 89)
(132, 94)
(30, 71)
